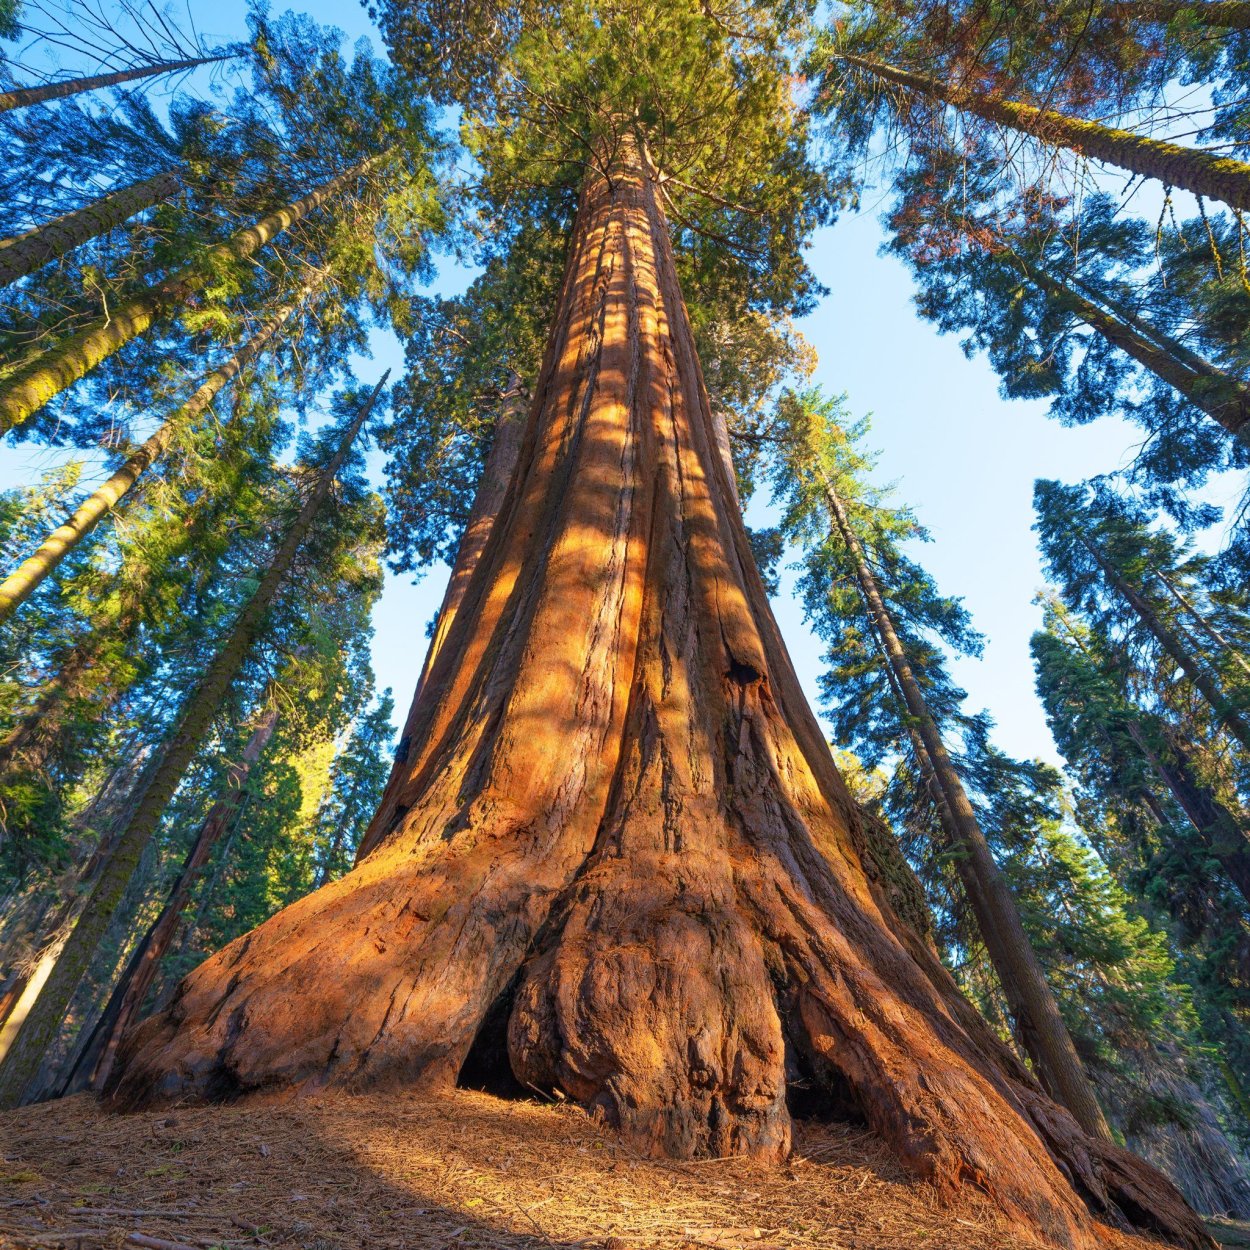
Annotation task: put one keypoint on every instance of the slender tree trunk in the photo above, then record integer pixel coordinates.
(1220, 831)
(46, 732)
(1230, 717)
(22, 989)
(950, 829)
(1223, 834)
(23, 97)
(491, 489)
(22, 1061)
(42, 731)
(622, 854)
(1213, 634)
(1225, 14)
(1039, 1023)
(208, 896)
(27, 389)
(31, 741)
(25, 253)
(1171, 345)
(27, 577)
(94, 1062)
(1203, 173)
(336, 841)
(1218, 394)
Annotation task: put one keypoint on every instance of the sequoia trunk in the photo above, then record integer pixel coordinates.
(491, 490)
(620, 854)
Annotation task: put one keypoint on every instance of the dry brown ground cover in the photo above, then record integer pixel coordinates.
(467, 1170)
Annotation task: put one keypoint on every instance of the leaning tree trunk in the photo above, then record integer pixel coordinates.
(22, 1062)
(622, 846)
(30, 973)
(28, 388)
(1220, 395)
(1232, 718)
(1220, 831)
(94, 1061)
(1038, 1021)
(30, 574)
(491, 489)
(1225, 14)
(1223, 645)
(1154, 334)
(23, 97)
(32, 742)
(24, 253)
(1203, 173)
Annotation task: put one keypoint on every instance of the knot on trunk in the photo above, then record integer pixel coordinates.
(742, 673)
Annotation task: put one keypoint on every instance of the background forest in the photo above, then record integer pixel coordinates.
(211, 260)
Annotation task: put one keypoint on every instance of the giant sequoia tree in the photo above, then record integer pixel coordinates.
(619, 853)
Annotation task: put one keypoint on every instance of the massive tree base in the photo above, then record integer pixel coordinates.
(615, 842)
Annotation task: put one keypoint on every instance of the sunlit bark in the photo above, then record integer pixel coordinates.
(23, 97)
(1204, 173)
(25, 253)
(621, 861)
(491, 490)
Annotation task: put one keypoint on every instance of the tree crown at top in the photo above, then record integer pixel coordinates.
(710, 98)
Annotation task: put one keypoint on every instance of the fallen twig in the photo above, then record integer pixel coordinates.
(156, 1243)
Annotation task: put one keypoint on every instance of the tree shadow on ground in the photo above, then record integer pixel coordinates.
(464, 1170)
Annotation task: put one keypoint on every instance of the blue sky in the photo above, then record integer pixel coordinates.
(963, 458)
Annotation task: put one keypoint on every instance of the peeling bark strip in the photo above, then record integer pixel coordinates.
(23, 97)
(24, 253)
(26, 578)
(1203, 173)
(621, 831)
(27, 389)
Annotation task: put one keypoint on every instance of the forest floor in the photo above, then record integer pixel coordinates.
(463, 1171)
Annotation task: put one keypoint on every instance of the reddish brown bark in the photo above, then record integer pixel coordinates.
(622, 838)
(491, 490)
